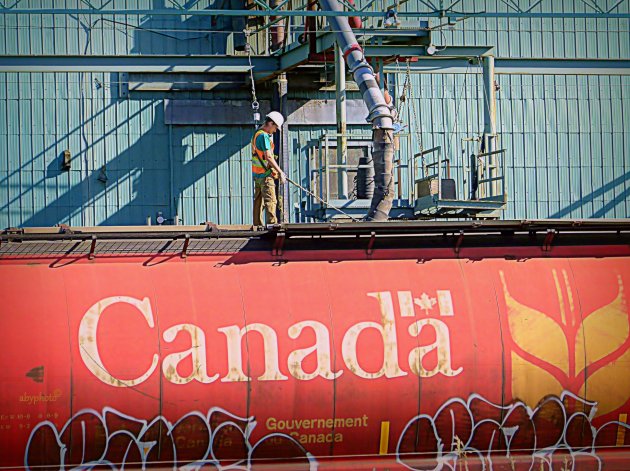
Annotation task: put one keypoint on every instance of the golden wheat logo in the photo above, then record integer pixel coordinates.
(587, 353)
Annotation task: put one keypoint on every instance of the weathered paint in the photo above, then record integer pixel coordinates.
(225, 359)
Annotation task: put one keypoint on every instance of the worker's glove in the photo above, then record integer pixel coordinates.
(279, 176)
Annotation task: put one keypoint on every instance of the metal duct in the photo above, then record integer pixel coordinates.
(379, 112)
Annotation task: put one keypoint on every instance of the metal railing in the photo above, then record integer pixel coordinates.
(475, 184)
(486, 172)
(437, 165)
(321, 169)
(489, 187)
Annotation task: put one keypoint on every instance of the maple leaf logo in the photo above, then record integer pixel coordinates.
(588, 355)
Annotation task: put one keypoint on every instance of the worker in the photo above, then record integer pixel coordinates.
(266, 169)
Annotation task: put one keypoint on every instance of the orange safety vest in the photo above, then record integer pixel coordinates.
(260, 167)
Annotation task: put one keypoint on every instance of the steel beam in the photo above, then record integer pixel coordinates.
(180, 82)
(490, 121)
(268, 66)
(464, 51)
(392, 51)
(163, 64)
(420, 31)
(342, 122)
(519, 66)
(279, 103)
(415, 50)
(563, 66)
(267, 13)
(489, 98)
(299, 54)
(239, 112)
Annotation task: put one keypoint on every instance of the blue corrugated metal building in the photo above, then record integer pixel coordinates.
(565, 124)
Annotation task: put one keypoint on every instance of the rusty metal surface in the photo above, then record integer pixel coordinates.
(504, 239)
(249, 357)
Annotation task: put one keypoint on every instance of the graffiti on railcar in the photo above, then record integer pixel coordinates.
(478, 429)
(215, 440)
(460, 429)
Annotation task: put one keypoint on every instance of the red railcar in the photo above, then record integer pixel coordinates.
(420, 346)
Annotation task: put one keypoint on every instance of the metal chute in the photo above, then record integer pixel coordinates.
(380, 113)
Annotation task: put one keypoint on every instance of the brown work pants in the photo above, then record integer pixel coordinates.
(265, 193)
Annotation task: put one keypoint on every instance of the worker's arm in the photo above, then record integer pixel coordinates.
(272, 161)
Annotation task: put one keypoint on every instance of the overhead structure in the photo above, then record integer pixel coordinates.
(445, 14)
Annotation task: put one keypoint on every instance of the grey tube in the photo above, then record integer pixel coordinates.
(379, 113)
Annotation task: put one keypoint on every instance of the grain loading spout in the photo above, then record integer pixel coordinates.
(379, 112)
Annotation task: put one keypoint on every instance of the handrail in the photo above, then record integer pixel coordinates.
(494, 152)
(491, 179)
(422, 153)
(494, 167)
(435, 167)
(349, 166)
(323, 168)
(425, 152)
(358, 137)
(448, 166)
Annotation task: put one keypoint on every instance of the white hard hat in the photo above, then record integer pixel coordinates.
(276, 117)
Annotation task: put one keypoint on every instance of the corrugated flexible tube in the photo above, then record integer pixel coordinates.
(380, 113)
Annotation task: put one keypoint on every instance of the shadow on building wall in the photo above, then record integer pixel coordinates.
(126, 187)
(125, 184)
(201, 34)
(603, 208)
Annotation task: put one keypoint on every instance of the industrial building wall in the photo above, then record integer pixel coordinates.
(567, 136)
(126, 163)
(558, 37)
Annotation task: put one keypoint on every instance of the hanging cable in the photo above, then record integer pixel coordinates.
(414, 115)
(324, 202)
(458, 103)
(402, 98)
(255, 104)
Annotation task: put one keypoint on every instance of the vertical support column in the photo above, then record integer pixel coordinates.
(173, 210)
(277, 30)
(489, 115)
(489, 119)
(281, 139)
(238, 23)
(342, 128)
(381, 75)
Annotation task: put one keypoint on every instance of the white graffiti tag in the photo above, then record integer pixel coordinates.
(479, 430)
(216, 440)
